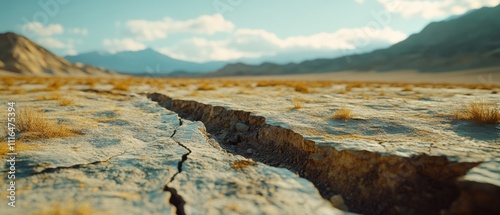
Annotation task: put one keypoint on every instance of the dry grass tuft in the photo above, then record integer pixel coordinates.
(18, 91)
(297, 103)
(4, 148)
(206, 87)
(407, 88)
(91, 82)
(19, 146)
(35, 125)
(69, 209)
(66, 102)
(55, 85)
(49, 97)
(342, 114)
(301, 88)
(268, 83)
(480, 113)
(9, 81)
(194, 94)
(241, 164)
(121, 85)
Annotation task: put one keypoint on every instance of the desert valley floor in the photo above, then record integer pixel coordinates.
(207, 146)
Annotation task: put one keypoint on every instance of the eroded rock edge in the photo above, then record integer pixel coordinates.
(370, 183)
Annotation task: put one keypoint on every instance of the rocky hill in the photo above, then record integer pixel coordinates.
(20, 55)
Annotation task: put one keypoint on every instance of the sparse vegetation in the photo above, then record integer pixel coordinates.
(18, 91)
(8, 81)
(35, 125)
(69, 209)
(121, 85)
(19, 146)
(301, 88)
(55, 85)
(342, 114)
(407, 88)
(65, 102)
(297, 103)
(91, 83)
(480, 113)
(356, 85)
(268, 83)
(49, 97)
(241, 164)
(206, 87)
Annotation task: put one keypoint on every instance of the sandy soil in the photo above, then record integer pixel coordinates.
(481, 76)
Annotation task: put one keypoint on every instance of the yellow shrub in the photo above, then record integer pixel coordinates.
(480, 112)
(342, 114)
(35, 125)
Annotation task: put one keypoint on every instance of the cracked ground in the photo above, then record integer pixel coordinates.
(134, 157)
(129, 155)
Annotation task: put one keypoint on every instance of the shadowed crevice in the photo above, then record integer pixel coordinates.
(370, 182)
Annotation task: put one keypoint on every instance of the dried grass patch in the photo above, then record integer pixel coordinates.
(241, 164)
(480, 113)
(69, 209)
(35, 125)
(343, 114)
(66, 102)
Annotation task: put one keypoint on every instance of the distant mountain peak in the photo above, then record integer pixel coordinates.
(141, 61)
(148, 49)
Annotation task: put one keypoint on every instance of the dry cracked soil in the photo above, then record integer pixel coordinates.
(247, 147)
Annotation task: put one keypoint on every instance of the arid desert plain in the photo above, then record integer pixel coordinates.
(249, 146)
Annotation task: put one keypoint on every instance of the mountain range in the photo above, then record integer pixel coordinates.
(469, 41)
(19, 55)
(153, 63)
(147, 61)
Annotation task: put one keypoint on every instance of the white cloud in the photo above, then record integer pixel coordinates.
(126, 44)
(201, 49)
(53, 43)
(79, 31)
(43, 35)
(431, 9)
(252, 43)
(153, 30)
(50, 42)
(71, 52)
(41, 30)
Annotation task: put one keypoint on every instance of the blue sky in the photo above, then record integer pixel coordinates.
(205, 30)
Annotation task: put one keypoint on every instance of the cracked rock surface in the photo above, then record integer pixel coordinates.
(400, 154)
(212, 186)
(135, 157)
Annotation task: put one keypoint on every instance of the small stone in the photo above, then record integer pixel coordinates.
(338, 202)
(241, 127)
(250, 151)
